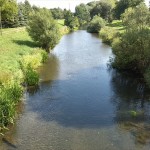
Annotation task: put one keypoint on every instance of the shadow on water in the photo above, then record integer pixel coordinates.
(132, 105)
(76, 102)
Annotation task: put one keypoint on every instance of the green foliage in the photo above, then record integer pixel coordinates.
(57, 13)
(83, 13)
(43, 29)
(103, 8)
(136, 18)
(96, 24)
(132, 50)
(14, 90)
(9, 11)
(122, 5)
(31, 76)
(10, 93)
(108, 34)
(71, 21)
(44, 56)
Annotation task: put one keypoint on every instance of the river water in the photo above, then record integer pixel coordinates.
(81, 104)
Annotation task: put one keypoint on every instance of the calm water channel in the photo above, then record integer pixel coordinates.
(81, 104)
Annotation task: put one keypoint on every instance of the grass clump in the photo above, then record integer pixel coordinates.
(31, 76)
(10, 94)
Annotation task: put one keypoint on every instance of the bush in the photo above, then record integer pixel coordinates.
(132, 51)
(43, 29)
(96, 24)
(44, 56)
(108, 34)
(31, 77)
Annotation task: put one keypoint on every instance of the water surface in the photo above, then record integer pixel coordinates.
(81, 104)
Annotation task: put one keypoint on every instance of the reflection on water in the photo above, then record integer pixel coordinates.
(82, 105)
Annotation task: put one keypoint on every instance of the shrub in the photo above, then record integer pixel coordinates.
(108, 34)
(34, 60)
(43, 29)
(132, 51)
(44, 56)
(31, 76)
(96, 24)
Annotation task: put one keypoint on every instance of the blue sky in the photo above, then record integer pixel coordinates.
(60, 3)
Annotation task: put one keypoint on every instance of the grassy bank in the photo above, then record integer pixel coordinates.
(19, 58)
(16, 48)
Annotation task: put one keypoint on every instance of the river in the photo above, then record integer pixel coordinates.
(81, 104)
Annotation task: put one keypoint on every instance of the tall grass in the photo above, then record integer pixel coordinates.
(10, 94)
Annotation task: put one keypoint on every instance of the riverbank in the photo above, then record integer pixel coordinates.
(20, 56)
(130, 46)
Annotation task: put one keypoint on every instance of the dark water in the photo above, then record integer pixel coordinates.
(81, 104)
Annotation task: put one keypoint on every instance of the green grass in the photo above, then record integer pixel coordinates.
(61, 24)
(14, 43)
(117, 25)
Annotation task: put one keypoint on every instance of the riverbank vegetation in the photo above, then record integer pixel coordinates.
(20, 54)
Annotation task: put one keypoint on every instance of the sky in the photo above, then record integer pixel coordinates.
(60, 3)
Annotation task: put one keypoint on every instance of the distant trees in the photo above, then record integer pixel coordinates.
(43, 29)
(71, 21)
(24, 9)
(122, 5)
(13, 14)
(83, 13)
(9, 12)
(57, 13)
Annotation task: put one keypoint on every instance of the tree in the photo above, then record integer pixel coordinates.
(57, 13)
(136, 18)
(103, 9)
(43, 29)
(74, 24)
(96, 24)
(9, 12)
(71, 21)
(27, 10)
(1, 5)
(122, 5)
(132, 51)
(83, 13)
